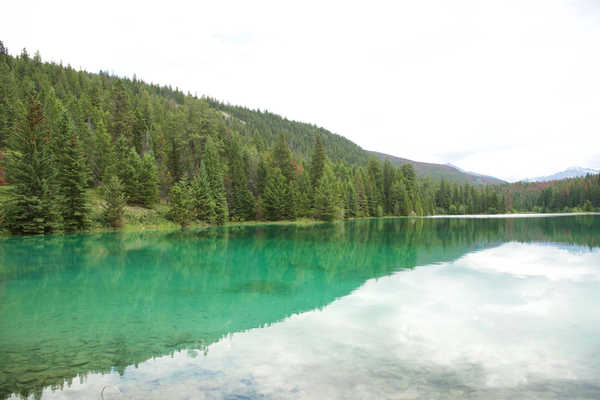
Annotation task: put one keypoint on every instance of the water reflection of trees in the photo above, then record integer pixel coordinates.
(75, 304)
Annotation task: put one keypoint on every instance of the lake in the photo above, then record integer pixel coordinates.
(492, 308)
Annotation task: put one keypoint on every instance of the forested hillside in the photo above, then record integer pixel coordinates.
(554, 196)
(438, 172)
(265, 128)
(64, 131)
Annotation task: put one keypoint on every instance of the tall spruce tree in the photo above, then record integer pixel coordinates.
(261, 177)
(181, 205)
(317, 163)
(275, 195)
(130, 177)
(121, 112)
(242, 200)
(214, 169)
(221, 208)
(291, 200)
(326, 202)
(282, 158)
(105, 157)
(304, 200)
(31, 207)
(115, 201)
(204, 204)
(148, 181)
(72, 177)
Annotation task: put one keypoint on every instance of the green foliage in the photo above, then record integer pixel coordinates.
(275, 195)
(115, 200)
(148, 181)
(242, 200)
(241, 164)
(181, 204)
(326, 204)
(204, 203)
(72, 178)
(105, 161)
(32, 204)
(221, 208)
(282, 158)
(304, 196)
(140, 178)
(317, 163)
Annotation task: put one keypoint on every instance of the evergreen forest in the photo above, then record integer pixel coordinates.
(66, 133)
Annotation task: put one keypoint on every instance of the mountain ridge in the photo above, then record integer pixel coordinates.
(571, 172)
(440, 171)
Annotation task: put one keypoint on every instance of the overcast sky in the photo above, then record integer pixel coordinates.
(506, 88)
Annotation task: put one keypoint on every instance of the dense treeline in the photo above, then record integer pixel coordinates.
(573, 194)
(63, 131)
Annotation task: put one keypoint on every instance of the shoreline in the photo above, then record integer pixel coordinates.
(171, 226)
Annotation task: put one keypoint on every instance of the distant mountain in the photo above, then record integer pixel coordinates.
(441, 171)
(572, 172)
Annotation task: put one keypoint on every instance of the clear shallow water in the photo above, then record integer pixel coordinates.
(389, 308)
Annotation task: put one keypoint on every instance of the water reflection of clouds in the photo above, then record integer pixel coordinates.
(497, 323)
(527, 260)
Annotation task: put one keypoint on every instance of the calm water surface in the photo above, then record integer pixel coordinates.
(390, 308)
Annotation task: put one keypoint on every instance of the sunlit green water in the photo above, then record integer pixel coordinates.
(396, 308)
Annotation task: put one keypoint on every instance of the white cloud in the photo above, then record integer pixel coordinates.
(505, 88)
(491, 322)
(547, 261)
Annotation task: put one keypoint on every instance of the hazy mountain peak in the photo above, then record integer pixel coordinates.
(571, 172)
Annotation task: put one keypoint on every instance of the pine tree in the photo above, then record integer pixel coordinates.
(31, 207)
(361, 194)
(274, 198)
(181, 205)
(221, 208)
(121, 113)
(410, 179)
(204, 205)
(400, 198)
(375, 185)
(261, 177)
(72, 178)
(291, 201)
(304, 197)
(148, 181)
(175, 152)
(115, 200)
(351, 202)
(105, 165)
(326, 207)
(130, 178)
(140, 129)
(282, 158)
(388, 179)
(11, 108)
(242, 200)
(214, 170)
(317, 163)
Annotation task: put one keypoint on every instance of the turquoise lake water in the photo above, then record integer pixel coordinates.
(495, 308)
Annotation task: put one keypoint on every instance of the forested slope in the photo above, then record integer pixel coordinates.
(264, 128)
(64, 131)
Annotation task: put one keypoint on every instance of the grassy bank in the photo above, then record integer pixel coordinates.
(152, 219)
